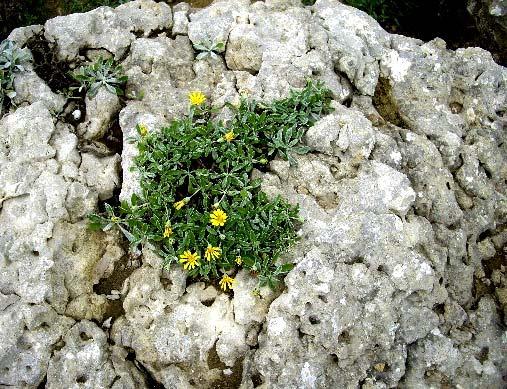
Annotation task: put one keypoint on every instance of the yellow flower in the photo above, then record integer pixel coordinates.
(196, 98)
(143, 129)
(229, 136)
(180, 204)
(226, 282)
(212, 252)
(168, 231)
(218, 217)
(115, 219)
(189, 260)
(239, 260)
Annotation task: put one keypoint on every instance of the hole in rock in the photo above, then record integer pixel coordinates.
(42, 385)
(323, 298)
(114, 136)
(122, 270)
(455, 107)
(46, 64)
(208, 302)
(35, 252)
(166, 283)
(384, 103)
(439, 309)
(231, 380)
(84, 336)
(213, 359)
(344, 337)
(81, 379)
(482, 356)
(256, 380)
(357, 260)
(313, 320)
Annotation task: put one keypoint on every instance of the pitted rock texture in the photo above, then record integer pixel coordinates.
(400, 276)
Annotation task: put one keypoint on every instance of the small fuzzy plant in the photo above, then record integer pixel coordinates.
(11, 60)
(101, 73)
(198, 205)
(209, 49)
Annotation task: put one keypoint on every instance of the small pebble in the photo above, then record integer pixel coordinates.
(107, 323)
(76, 114)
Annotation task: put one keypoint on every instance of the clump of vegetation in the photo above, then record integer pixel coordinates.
(381, 10)
(198, 205)
(209, 49)
(11, 60)
(74, 6)
(101, 73)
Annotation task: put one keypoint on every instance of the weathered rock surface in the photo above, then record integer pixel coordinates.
(400, 276)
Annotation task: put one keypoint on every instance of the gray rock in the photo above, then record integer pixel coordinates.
(29, 333)
(86, 359)
(100, 111)
(180, 17)
(105, 28)
(397, 280)
(30, 89)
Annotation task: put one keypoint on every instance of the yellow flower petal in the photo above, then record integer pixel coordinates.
(189, 260)
(168, 231)
(226, 282)
(196, 98)
(143, 129)
(218, 218)
(180, 204)
(230, 136)
(212, 252)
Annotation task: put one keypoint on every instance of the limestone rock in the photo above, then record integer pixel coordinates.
(398, 276)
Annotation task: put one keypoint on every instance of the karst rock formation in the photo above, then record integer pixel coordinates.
(400, 276)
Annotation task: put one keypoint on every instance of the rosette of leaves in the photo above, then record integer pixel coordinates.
(209, 49)
(11, 62)
(200, 161)
(101, 73)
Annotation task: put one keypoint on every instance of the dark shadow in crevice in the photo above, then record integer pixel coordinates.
(384, 103)
(122, 270)
(226, 381)
(54, 72)
(42, 385)
(150, 381)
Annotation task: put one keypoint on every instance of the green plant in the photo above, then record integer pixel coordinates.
(74, 6)
(209, 49)
(381, 10)
(11, 61)
(102, 73)
(198, 205)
